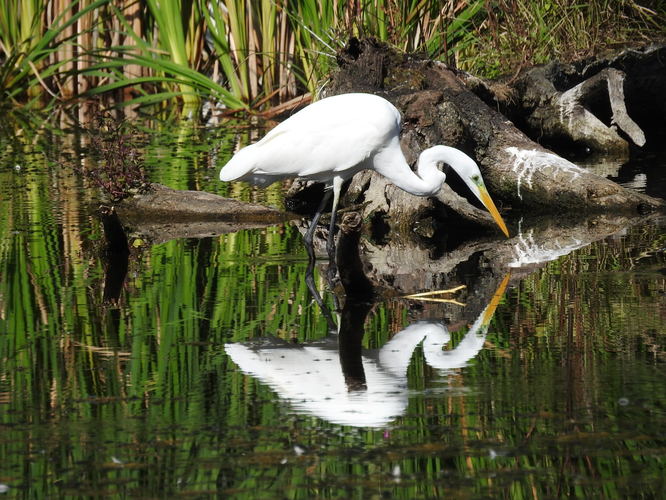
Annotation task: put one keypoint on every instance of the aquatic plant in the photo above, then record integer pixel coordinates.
(120, 171)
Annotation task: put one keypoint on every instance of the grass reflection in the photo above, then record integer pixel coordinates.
(138, 398)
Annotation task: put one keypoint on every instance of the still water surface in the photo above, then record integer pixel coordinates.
(214, 372)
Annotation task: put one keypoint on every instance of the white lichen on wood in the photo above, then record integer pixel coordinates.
(526, 162)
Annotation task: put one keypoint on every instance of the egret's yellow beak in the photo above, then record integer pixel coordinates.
(494, 302)
(490, 205)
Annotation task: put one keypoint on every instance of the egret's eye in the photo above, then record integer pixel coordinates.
(476, 178)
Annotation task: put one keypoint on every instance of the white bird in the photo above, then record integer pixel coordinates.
(334, 138)
(312, 379)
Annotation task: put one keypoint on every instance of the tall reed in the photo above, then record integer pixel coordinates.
(249, 53)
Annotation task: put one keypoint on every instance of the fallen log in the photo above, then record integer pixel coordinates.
(438, 108)
(565, 115)
(162, 214)
(591, 105)
(166, 204)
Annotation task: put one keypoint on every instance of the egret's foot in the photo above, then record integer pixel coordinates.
(432, 296)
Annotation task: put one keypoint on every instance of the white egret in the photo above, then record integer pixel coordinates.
(332, 139)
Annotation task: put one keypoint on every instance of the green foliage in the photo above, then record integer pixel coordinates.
(251, 53)
(169, 19)
(32, 51)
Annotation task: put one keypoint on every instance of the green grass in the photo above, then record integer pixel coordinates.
(252, 54)
(518, 33)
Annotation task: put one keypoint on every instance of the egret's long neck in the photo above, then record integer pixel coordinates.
(391, 163)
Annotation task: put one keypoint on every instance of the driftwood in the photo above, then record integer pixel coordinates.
(587, 105)
(163, 203)
(164, 214)
(438, 108)
(563, 114)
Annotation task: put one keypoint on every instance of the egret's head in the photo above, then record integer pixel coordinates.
(469, 172)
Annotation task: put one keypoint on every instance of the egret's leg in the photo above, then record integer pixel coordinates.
(309, 272)
(309, 234)
(330, 242)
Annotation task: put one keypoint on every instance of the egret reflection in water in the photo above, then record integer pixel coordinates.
(369, 390)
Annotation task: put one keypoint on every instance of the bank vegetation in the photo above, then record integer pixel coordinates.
(252, 55)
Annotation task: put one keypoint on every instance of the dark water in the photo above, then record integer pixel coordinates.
(214, 374)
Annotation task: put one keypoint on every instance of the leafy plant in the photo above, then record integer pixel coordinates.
(32, 57)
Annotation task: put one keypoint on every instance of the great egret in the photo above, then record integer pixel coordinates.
(334, 138)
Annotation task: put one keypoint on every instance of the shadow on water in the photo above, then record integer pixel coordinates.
(117, 255)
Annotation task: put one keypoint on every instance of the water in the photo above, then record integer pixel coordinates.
(213, 373)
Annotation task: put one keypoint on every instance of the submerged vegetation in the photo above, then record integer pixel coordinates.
(249, 54)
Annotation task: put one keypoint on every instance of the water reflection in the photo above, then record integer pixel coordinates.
(334, 379)
(529, 251)
(117, 255)
(135, 397)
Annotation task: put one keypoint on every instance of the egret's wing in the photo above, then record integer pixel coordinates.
(317, 154)
(335, 136)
